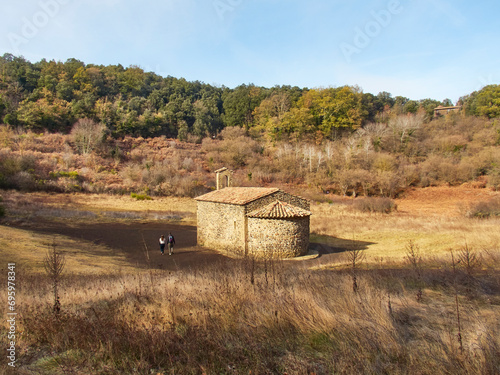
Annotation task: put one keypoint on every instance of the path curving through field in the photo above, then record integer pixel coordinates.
(139, 241)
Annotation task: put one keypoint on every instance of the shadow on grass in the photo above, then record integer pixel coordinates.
(137, 242)
(327, 245)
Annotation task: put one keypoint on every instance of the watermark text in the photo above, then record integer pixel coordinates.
(11, 314)
(31, 26)
(363, 36)
(223, 6)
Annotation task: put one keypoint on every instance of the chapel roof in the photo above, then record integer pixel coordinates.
(237, 195)
(279, 210)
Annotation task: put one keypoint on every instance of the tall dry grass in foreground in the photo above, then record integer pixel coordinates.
(263, 318)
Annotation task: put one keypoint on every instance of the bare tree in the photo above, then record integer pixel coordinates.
(375, 132)
(54, 263)
(281, 103)
(403, 126)
(87, 135)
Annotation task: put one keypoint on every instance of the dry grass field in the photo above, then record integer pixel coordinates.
(432, 316)
(87, 258)
(98, 204)
(433, 218)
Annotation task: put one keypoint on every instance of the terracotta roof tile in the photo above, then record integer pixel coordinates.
(237, 195)
(279, 210)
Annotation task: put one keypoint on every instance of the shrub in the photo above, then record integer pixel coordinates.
(485, 209)
(73, 174)
(2, 208)
(437, 170)
(494, 179)
(385, 163)
(388, 183)
(141, 197)
(235, 150)
(188, 164)
(381, 205)
(24, 181)
(232, 132)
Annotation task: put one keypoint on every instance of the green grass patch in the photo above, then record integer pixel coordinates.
(141, 197)
(71, 174)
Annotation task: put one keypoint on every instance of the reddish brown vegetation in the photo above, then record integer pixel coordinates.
(379, 159)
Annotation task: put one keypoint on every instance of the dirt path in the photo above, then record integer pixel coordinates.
(133, 239)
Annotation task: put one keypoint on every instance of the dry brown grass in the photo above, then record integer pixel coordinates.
(217, 321)
(28, 250)
(282, 317)
(432, 218)
(92, 206)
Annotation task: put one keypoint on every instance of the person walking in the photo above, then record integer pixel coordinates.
(170, 243)
(162, 241)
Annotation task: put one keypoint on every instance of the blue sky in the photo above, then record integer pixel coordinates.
(420, 49)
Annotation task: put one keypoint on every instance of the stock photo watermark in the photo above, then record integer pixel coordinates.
(11, 314)
(31, 26)
(223, 6)
(372, 29)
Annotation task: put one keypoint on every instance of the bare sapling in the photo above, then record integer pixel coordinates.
(265, 270)
(276, 263)
(457, 305)
(470, 261)
(389, 304)
(249, 264)
(355, 257)
(414, 259)
(252, 271)
(54, 263)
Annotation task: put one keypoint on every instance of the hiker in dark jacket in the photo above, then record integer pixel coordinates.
(170, 243)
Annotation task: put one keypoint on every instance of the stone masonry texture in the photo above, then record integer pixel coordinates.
(226, 227)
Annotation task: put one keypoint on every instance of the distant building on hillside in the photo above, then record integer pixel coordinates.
(442, 111)
(264, 222)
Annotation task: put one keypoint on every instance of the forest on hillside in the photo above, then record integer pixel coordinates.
(52, 96)
(68, 127)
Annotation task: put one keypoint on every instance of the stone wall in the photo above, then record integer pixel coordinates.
(278, 238)
(222, 226)
(225, 227)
